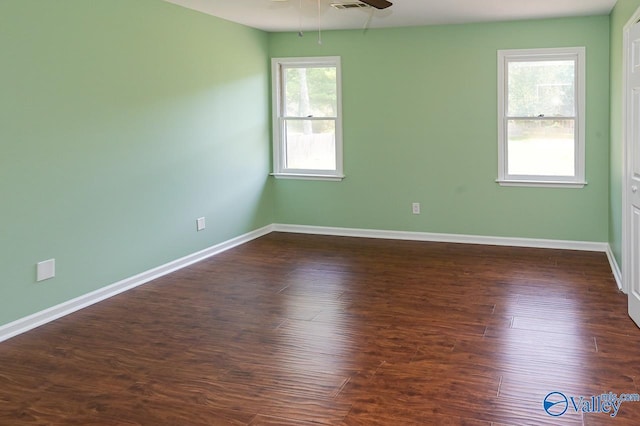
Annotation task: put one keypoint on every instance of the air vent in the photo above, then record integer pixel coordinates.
(354, 5)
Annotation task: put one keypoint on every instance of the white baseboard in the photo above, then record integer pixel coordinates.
(444, 238)
(459, 238)
(615, 268)
(30, 322)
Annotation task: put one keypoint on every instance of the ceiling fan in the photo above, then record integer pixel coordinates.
(378, 4)
(374, 4)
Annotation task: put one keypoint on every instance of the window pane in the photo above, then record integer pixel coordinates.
(310, 144)
(541, 147)
(310, 92)
(541, 87)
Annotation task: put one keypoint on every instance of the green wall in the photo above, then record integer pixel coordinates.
(621, 13)
(420, 124)
(121, 122)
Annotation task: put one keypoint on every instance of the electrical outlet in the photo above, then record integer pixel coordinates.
(415, 208)
(46, 269)
(200, 224)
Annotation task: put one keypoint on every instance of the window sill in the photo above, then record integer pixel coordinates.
(542, 183)
(307, 176)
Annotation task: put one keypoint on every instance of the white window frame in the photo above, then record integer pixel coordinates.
(576, 54)
(279, 169)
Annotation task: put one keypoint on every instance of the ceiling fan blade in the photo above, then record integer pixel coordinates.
(378, 4)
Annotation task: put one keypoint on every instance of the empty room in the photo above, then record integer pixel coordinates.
(329, 212)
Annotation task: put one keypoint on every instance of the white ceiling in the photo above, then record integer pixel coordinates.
(293, 15)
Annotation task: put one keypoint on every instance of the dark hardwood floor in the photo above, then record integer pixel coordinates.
(299, 330)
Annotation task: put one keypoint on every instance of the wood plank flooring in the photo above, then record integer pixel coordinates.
(300, 330)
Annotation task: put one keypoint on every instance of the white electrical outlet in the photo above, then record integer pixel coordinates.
(200, 224)
(415, 208)
(46, 269)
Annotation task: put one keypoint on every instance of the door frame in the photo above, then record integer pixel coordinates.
(627, 122)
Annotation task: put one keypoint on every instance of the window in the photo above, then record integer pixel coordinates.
(307, 123)
(541, 99)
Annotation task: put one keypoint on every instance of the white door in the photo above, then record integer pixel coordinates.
(632, 174)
